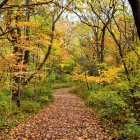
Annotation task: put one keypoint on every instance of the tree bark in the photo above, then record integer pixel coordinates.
(27, 52)
(3, 3)
(135, 5)
(16, 77)
(102, 45)
(16, 50)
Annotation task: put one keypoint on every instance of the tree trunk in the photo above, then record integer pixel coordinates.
(102, 45)
(135, 5)
(16, 70)
(3, 3)
(16, 91)
(27, 52)
(16, 77)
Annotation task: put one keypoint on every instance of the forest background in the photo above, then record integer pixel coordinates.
(60, 43)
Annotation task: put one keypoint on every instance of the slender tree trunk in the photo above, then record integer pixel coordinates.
(102, 45)
(16, 91)
(16, 77)
(17, 80)
(97, 46)
(16, 70)
(27, 52)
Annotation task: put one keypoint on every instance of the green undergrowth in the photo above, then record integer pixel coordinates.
(115, 112)
(58, 85)
(32, 100)
(60, 80)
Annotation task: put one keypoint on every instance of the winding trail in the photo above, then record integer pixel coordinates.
(66, 119)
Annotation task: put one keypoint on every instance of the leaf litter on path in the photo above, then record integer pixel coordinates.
(66, 119)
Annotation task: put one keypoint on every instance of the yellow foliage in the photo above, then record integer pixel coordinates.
(105, 76)
(29, 24)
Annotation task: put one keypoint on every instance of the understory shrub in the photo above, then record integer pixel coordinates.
(132, 129)
(30, 107)
(32, 100)
(44, 99)
(60, 80)
(109, 104)
(7, 110)
(46, 91)
(113, 105)
(58, 85)
(80, 91)
(28, 93)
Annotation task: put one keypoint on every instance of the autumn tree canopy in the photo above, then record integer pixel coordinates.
(88, 44)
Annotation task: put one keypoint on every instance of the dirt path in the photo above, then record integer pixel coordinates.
(66, 119)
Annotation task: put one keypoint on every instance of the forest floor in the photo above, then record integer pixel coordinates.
(66, 119)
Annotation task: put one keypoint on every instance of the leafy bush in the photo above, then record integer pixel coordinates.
(132, 129)
(28, 93)
(3, 111)
(53, 76)
(102, 66)
(112, 103)
(7, 109)
(61, 85)
(130, 93)
(79, 92)
(3, 106)
(44, 99)
(3, 122)
(45, 91)
(31, 102)
(30, 107)
(109, 104)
